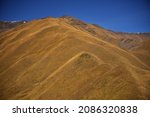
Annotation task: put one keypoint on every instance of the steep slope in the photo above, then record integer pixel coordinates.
(53, 59)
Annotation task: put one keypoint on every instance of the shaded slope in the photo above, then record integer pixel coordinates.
(127, 41)
(143, 52)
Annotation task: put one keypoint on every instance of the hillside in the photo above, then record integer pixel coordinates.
(65, 58)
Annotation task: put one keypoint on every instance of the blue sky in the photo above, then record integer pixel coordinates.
(116, 15)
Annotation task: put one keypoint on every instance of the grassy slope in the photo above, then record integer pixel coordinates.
(51, 59)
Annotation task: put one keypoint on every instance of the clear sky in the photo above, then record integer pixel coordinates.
(116, 15)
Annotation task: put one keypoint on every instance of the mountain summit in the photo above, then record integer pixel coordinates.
(66, 58)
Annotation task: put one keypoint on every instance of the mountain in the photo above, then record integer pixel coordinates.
(66, 58)
(5, 25)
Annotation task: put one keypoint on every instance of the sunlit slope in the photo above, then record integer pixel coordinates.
(51, 59)
(131, 42)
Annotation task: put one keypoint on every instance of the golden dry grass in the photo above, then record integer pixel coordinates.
(53, 59)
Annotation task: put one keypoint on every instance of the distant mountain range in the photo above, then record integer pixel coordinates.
(66, 58)
(5, 25)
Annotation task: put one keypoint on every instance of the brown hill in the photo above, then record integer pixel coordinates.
(65, 58)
